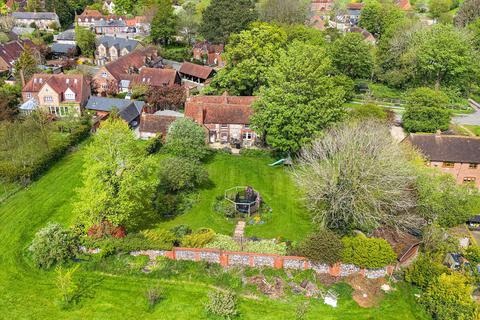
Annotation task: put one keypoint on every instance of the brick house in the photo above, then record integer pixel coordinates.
(156, 77)
(88, 18)
(59, 94)
(110, 48)
(321, 6)
(195, 72)
(128, 110)
(208, 53)
(10, 52)
(456, 155)
(123, 70)
(226, 119)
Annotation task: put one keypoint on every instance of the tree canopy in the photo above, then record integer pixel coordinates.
(352, 56)
(225, 17)
(283, 11)
(164, 22)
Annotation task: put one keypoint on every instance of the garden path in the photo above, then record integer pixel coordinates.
(239, 231)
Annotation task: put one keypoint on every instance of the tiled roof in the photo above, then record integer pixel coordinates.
(153, 123)
(208, 47)
(136, 59)
(67, 35)
(447, 148)
(59, 83)
(10, 51)
(220, 109)
(198, 71)
(62, 47)
(35, 15)
(156, 77)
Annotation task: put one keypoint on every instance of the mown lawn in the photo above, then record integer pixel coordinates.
(28, 293)
(288, 219)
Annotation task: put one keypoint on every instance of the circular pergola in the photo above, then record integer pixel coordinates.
(244, 198)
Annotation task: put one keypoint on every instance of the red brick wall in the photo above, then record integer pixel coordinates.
(460, 171)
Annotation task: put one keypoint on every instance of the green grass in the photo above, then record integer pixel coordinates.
(29, 293)
(474, 129)
(288, 219)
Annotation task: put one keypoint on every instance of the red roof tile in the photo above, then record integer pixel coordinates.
(136, 59)
(157, 77)
(196, 70)
(59, 83)
(220, 109)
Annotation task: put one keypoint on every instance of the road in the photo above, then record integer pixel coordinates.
(469, 119)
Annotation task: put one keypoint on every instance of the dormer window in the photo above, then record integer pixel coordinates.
(104, 74)
(69, 95)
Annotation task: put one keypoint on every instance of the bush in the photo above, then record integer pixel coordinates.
(367, 252)
(366, 111)
(266, 246)
(181, 230)
(198, 239)
(153, 296)
(53, 245)
(225, 207)
(186, 139)
(449, 297)
(177, 53)
(106, 229)
(222, 304)
(181, 174)
(324, 246)
(154, 145)
(424, 271)
(160, 238)
(223, 242)
(473, 254)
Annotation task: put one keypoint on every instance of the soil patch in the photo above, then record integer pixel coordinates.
(366, 292)
(274, 288)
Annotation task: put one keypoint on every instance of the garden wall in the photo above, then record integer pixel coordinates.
(260, 260)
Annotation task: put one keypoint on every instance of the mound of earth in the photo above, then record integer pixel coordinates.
(366, 292)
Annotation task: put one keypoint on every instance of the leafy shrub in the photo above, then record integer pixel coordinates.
(181, 174)
(225, 207)
(222, 304)
(181, 230)
(66, 285)
(368, 111)
(473, 254)
(265, 246)
(53, 245)
(166, 204)
(198, 239)
(162, 238)
(367, 252)
(153, 145)
(177, 53)
(153, 296)
(324, 246)
(449, 297)
(424, 271)
(186, 139)
(223, 242)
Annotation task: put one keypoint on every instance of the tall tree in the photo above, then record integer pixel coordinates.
(283, 11)
(301, 98)
(118, 180)
(250, 55)
(85, 41)
(426, 111)
(357, 177)
(377, 18)
(352, 56)
(9, 100)
(167, 98)
(224, 17)
(164, 23)
(26, 65)
(188, 22)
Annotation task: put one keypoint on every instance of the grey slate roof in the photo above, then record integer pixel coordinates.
(68, 35)
(110, 23)
(119, 43)
(62, 47)
(447, 148)
(128, 109)
(35, 15)
(169, 113)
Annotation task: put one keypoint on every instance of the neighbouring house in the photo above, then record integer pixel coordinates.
(321, 7)
(152, 125)
(367, 36)
(195, 72)
(405, 245)
(456, 155)
(110, 26)
(226, 119)
(352, 15)
(88, 18)
(124, 70)
(208, 53)
(138, 25)
(60, 94)
(62, 50)
(403, 4)
(156, 77)
(42, 20)
(109, 6)
(10, 52)
(128, 110)
(110, 48)
(66, 37)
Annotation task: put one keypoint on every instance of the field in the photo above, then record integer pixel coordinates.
(29, 293)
